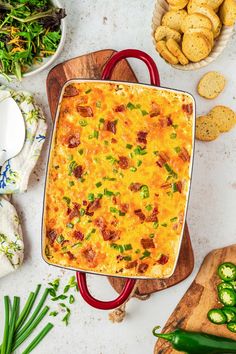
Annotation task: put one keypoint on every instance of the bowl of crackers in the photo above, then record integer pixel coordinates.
(190, 34)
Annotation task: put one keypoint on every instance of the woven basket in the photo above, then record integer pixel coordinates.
(161, 8)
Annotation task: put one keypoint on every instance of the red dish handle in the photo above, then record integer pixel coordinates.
(104, 305)
(132, 53)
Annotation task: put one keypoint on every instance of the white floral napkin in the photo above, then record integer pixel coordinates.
(11, 242)
(14, 174)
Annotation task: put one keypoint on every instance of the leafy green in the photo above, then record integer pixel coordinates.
(29, 32)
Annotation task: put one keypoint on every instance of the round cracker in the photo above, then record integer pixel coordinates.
(196, 21)
(165, 33)
(174, 19)
(211, 85)
(165, 53)
(205, 32)
(175, 49)
(195, 46)
(228, 12)
(214, 4)
(224, 117)
(208, 12)
(206, 130)
(176, 5)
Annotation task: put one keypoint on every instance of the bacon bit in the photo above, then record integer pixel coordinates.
(123, 162)
(92, 206)
(100, 222)
(135, 187)
(110, 126)
(153, 216)
(169, 121)
(142, 267)
(188, 108)
(175, 227)
(85, 111)
(71, 91)
(84, 202)
(140, 214)
(142, 137)
(120, 108)
(163, 259)
(68, 211)
(155, 110)
(74, 141)
(163, 158)
(74, 212)
(147, 243)
(114, 200)
(78, 171)
(70, 255)
(89, 254)
(166, 185)
(113, 141)
(110, 235)
(51, 235)
(184, 155)
(124, 208)
(179, 186)
(78, 235)
(131, 265)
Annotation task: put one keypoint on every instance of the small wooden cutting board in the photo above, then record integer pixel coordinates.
(90, 66)
(191, 312)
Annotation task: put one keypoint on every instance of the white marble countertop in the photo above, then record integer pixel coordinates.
(120, 24)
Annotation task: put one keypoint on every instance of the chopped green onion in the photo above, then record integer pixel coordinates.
(98, 184)
(91, 197)
(144, 113)
(133, 169)
(139, 163)
(70, 225)
(173, 136)
(71, 167)
(83, 122)
(174, 219)
(148, 207)
(144, 192)
(130, 106)
(95, 134)
(105, 142)
(170, 171)
(98, 104)
(129, 146)
(108, 193)
(139, 151)
(164, 224)
(128, 247)
(127, 258)
(152, 235)
(53, 313)
(67, 200)
(71, 183)
(146, 254)
(60, 239)
(71, 299)
(113, 210)
(111, 159)
(88, 91)
(81, 151)
(155, 225)
(177, 149)
(174, 188)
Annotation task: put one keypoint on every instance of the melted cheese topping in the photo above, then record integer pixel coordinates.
(118, 179)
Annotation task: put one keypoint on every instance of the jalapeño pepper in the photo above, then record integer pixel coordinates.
(197, 343)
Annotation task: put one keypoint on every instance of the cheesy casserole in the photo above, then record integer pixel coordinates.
(118, 179)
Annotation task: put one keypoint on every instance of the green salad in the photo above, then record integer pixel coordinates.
(29, 32)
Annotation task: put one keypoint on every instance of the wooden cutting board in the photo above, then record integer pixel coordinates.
(90, 66)
(190, 313)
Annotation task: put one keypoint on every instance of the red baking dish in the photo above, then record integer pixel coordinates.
(132, 278)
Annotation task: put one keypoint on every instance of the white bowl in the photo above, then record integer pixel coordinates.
(38, 67)
(161, 8)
